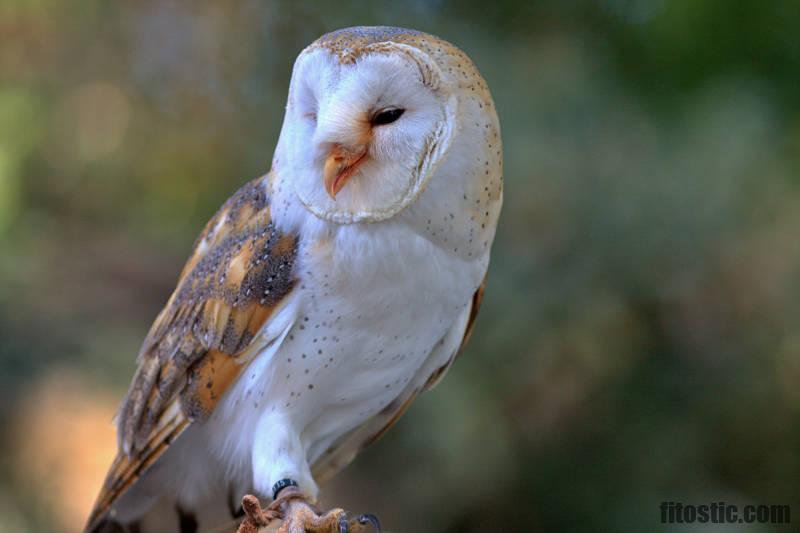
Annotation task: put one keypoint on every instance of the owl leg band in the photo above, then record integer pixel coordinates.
(282, 484)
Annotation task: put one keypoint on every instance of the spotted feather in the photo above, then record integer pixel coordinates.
(346, 449)
(240, 271)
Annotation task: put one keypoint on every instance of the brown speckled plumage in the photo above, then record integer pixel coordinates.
(349, 43)
(240, 270)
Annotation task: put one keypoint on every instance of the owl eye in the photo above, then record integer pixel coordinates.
(387, 115)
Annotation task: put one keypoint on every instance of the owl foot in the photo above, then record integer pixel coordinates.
(299, 516)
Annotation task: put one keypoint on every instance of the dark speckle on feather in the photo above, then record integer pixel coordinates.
(240, 263)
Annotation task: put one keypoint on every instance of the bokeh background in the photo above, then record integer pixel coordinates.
(639, 340)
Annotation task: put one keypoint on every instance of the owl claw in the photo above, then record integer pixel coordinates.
(365, 519)
(298, 516)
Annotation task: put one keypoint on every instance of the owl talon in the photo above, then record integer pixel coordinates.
(299, 516)
(255, 517)
(365, 519)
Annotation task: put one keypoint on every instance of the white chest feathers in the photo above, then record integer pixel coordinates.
(369, 308)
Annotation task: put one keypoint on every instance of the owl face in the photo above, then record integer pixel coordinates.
(363, 134)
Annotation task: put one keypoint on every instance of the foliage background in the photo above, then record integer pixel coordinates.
(639, 340)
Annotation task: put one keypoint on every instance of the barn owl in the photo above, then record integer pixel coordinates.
(323, 297)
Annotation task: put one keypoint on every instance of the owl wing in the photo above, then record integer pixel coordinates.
(239, 273)
(439, 361)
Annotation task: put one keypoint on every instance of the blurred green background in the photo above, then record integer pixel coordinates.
(639, 340)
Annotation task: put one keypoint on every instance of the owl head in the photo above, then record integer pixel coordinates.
(375, 114)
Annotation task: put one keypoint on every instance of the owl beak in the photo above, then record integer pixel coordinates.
(340, 165)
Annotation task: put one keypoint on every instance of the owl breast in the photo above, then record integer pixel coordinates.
(375, 303)
(370, 306)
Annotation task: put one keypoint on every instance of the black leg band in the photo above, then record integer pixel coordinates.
(280, 485)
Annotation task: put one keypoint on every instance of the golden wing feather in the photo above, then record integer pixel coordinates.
(240, 271)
